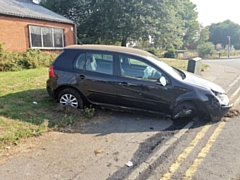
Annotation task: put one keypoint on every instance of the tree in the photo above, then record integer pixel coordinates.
(78, 11)
(166, 25)
(112, 21)
(188, 17)
(63, 7)
(203, 35)
(219, 33)
(118, 20)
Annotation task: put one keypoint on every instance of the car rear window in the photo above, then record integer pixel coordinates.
(65, 59)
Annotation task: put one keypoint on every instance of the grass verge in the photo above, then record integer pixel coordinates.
(26, 110)
(181, 64)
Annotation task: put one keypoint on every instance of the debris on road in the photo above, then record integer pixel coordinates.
(129, 163)
(98, 151)
(233, 113)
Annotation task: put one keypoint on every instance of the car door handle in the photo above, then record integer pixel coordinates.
(123, 84)
(82, 77)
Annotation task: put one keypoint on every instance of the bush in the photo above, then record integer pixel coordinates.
(156, 52)
(190, 54)
(170, 53)
(26, 60)
(152, 51)
(205, 49)
(180, 56)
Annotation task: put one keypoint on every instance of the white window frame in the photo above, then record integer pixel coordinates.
(52, 36)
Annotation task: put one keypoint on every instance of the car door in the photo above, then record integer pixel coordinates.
(139, 85)
(95, 76)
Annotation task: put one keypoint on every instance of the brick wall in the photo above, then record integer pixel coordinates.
(14, 32)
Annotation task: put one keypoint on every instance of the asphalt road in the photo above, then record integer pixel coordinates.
(233, 62)
(210, 151)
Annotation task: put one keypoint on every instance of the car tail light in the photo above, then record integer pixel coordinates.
(51, 71)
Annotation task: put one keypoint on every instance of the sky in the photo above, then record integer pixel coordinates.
(214, 11)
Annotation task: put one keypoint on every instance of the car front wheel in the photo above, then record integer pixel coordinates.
(184, 109)
(70, 97)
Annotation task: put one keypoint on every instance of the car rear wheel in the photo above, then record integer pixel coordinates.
(185, 109)
(70, 97)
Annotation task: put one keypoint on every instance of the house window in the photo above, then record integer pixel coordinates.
(46, 37)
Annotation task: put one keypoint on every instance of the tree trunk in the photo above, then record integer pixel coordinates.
(124, 42)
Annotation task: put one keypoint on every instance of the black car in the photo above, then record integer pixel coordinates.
(133, 79)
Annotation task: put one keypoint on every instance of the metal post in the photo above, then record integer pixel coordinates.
(229, 44)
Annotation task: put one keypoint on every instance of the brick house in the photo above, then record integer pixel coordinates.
(24, 25)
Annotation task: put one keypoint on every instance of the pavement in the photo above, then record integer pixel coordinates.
(223, 159)
(225, 76)
(99, 152)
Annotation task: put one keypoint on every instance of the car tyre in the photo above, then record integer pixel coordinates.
(185, 109)
(70, 97)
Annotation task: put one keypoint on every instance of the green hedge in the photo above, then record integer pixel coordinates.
(11, 61)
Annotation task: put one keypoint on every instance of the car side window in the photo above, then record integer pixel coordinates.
(96, 62)
(80, 62)
(104, 63)
(135, 68)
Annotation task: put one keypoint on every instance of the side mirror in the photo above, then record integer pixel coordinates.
(163, 81)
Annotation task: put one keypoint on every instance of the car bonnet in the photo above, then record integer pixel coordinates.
(194, 79)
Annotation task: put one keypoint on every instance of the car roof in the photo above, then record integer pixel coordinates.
(120, 49)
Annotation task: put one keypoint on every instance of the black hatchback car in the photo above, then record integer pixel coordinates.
(132, 79)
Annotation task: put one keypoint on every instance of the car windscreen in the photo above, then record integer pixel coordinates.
(170, 70)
